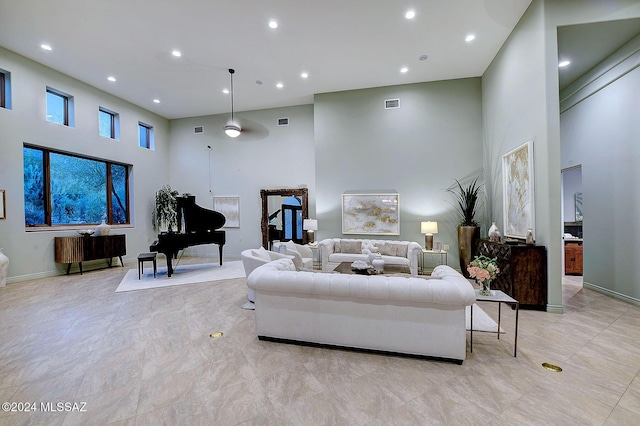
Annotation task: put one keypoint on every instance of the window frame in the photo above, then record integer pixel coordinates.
(3, 95)
(115, 123)
(48, 211)
(149, 142)
(67, 107)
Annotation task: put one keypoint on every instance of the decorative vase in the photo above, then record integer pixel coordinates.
(485, 288)
(530, 237)
(373, 256)
(4, 267)
(494, 233)
(468, 237)
(378, 264)
(103, 229)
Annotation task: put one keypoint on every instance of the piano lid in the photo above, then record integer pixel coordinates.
(196, 218)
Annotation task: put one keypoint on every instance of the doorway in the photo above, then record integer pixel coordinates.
(572, 216)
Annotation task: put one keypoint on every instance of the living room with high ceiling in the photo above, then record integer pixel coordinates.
(341, 137)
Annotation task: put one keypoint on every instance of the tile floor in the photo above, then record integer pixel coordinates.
(146, 358)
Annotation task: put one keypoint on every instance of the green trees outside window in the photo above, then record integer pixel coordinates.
(67, 189)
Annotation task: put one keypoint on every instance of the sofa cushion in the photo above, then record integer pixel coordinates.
(337, 247)
(354, 247)
(401, 249)
(261, 253)
(387, 249)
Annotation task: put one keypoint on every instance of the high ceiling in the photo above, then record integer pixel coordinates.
(587, 45)
(341, 44)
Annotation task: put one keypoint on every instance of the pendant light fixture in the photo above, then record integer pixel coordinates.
(232, 129)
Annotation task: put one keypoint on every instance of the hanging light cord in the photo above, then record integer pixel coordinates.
(231, 71)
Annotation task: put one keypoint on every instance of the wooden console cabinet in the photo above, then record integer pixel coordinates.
(82, 249)
(573, 258)
(523, 271)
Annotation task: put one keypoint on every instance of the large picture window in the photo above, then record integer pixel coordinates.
(68, 189)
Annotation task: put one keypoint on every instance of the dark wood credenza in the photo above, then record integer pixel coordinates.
(523, 271)
(82, 249)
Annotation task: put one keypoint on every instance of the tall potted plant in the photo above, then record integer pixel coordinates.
(467, 202)
(164, 216)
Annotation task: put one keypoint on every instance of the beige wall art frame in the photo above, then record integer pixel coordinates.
(230, 208)
(518, 190)
(373, 214)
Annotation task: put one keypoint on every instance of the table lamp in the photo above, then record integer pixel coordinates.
(310, 225)
(428, 229)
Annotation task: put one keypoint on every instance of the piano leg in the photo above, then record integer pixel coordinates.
(169, 267)
(220, 250)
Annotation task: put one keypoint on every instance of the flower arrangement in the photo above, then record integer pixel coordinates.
(484, 269)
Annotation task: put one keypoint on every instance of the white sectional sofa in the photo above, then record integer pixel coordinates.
(396, 314)
(334, 251)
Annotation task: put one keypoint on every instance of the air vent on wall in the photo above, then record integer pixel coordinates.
(198, 129)
(391, 103)
(283, 121)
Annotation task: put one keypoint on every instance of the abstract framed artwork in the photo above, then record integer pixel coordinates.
(518, 190)
(230, 208)
(373, 214)
(3, 213)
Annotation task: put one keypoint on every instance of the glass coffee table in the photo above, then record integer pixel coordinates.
(345, 268)
(498, 297)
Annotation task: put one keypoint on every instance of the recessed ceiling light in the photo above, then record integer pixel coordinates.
(157, 101)
(225, 91)
(111, 78)
(304, 75)
(423, 57)
(470, 37)
(279, 85)
(45, 47)
(273, 24)
(404, 70)
(259, 82)
(410, 14)
(176, 53)
(563, 64)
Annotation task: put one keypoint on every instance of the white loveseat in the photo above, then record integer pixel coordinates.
(334, 251)
(396, 314)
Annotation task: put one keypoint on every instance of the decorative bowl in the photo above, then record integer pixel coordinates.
(360, 265)
(86, 232)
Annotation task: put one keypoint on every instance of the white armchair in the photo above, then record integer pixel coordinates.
(302, 255)
(251, 259)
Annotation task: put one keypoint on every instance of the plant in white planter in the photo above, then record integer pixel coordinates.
(164, 216)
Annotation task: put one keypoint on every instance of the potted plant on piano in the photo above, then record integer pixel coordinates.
(164, 216)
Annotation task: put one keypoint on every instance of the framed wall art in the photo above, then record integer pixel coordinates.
(230, 208)
(373, 214)
(518, 190)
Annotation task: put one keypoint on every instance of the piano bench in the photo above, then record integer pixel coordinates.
(142, 257)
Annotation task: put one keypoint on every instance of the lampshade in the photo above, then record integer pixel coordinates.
(429, 227)
(310, 224)
(232, 130)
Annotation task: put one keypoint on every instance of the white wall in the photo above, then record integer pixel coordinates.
(601, 132)
(31, 253)
(264, 156)
(514, 104)
(521, 102)
(418, 150)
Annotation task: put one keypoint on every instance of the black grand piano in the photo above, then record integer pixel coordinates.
(200, 227)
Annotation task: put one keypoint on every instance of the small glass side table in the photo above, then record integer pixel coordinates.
(499, 297)
(317, 261)
(443, 258)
